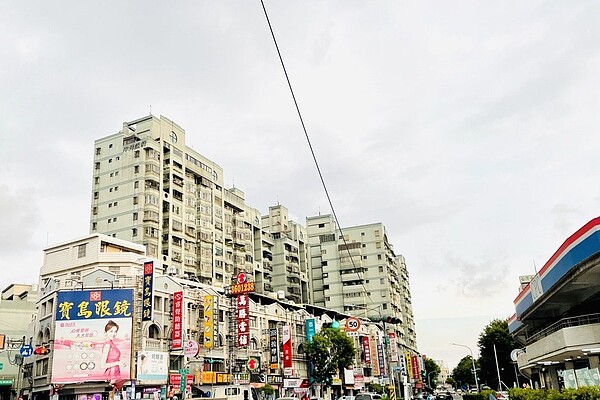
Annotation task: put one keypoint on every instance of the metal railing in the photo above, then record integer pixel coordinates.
(564, 323)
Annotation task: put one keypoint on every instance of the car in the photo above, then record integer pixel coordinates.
(346, 398)
(367, 396)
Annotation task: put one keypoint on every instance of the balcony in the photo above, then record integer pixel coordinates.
(564, 339)
(155, 344)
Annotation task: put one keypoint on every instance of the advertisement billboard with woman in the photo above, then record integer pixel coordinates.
(93, 336)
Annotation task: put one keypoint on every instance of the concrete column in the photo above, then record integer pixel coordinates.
(552, 379)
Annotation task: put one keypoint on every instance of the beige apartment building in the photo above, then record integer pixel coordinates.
(356, 270)
(150, 188)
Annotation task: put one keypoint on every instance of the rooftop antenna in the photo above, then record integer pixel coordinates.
(150, 109)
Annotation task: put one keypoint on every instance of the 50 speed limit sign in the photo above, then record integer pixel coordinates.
(352, 324)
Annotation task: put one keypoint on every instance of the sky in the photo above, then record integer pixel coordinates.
(469, 128)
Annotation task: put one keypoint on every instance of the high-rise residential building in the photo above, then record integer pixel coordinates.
(356, 270)
(289, 253)
(150, 188)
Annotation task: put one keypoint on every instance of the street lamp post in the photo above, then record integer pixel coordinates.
(472, 360)
(428, 374)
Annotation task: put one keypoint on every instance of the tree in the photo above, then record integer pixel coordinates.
(463, 373)
(329, 352)
(496, 334)
(432, 370)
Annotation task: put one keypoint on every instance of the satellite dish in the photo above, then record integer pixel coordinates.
(515, 353)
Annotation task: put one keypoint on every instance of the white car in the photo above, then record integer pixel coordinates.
(346, 398)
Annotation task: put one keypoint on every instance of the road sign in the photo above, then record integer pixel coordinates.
(252, 364)
(26, 350)
(352, 324)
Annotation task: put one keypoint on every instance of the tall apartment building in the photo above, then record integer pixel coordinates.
(150, 188)
(289, 255)
(358, 272)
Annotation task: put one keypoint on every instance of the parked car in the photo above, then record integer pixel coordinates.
(367, 396)
(346, 398)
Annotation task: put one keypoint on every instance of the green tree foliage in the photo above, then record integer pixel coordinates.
(496, 334)
(463, 373)
(433, 371)
(329, 352)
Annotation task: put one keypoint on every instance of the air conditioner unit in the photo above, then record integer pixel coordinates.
(172, 271)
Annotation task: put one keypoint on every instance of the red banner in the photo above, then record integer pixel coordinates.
(177, 334)
(415, 368)
(243, 320)
(287, 346)
(366, 349)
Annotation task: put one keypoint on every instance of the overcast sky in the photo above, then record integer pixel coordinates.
(470, 129)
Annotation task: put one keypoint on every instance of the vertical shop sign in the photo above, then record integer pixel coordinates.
(243, 320)
(177, 335)
(381, 359)
(287, 346)
(148, 291)
(409, 370)
(311, 329)
(273, 349)
(366, 349)
(393, 346)
(209, 306)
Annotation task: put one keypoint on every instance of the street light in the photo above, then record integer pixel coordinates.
(428, 374)
(111, 283)
(472, 360)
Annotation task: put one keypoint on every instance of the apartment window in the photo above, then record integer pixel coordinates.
(364, 245)
(110, 146)
(110, 160)
(135, 200)
(115, 203)
(136, 169)
(323, 251)
(323, 263)
(97, 165)
(109, 220)
(382, 280)
(95, 210)
(321, 225)
(377, 245)
(325, 275)
(95, 195)
(117, 158)
(385, 306)
(134, 232)
(98, 150)
(116, 188)
(81, 249)
(136, 184)
(362, 234)
(94, 226)
(136, 154)
(117, 173)
(379, 256)
(364, 257)
(111, 174)
(376, 232)
(110, 190)
(135, 216)
(109, 205)
(115, 219)
(381, 268)
(97, 180)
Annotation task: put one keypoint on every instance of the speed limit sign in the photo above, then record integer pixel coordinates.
(352, 324)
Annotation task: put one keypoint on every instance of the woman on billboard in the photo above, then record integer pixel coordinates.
(111, 355)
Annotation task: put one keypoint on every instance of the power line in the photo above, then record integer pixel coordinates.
(311, 148)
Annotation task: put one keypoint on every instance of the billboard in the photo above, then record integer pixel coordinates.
(147, 292)
(177, 323)
(152, 366)
(92, 336)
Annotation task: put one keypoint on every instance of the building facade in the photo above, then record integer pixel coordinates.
(17, 308)
(557, 320)
(100, 293)
(356, 270)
